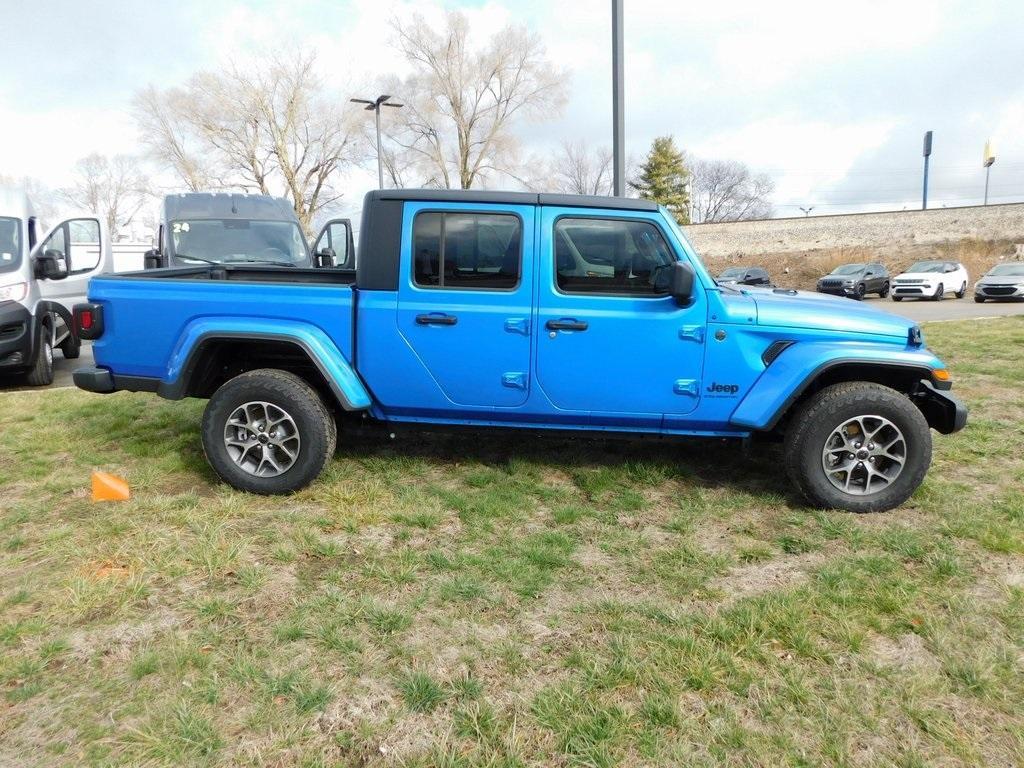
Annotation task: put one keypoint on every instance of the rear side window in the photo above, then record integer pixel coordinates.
(616, 256)
(467, 250)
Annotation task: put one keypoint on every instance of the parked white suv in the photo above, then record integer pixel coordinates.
(931, 280)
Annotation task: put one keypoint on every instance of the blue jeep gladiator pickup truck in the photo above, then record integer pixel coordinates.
(536, 311)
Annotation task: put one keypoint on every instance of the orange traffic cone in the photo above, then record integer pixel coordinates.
(107, 487)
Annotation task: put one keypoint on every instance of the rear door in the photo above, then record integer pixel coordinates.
(465, 299)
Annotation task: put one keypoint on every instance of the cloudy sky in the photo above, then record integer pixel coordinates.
(831, 99)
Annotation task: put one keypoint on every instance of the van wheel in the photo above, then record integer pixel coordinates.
(71, 348)
(268, 432)
(858, 446)
(41, 374)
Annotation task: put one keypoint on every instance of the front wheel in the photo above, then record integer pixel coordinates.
(858, 446)
(41, 373)
(884, 292)
(268, 432)
(860, 292)
(979, 299)
(963, 290)
(939, 292)
(897, 298)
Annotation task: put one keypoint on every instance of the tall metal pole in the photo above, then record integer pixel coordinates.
(927, 154)
(618, 105)
(380, 165)
(987, 169)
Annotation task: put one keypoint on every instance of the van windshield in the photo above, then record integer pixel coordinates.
(239, 241)
(10, 243)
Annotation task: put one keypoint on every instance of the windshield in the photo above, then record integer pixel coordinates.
(731, 273)
(239, 241)
(848, 269)
(10, 243)
(1007, 269)
(927, 266)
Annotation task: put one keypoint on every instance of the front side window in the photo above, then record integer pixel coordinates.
(467, 250)
(10, 243)
(83, 245)
(617, 256)
(239, 241)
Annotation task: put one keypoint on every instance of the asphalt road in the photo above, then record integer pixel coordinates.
(920, 311)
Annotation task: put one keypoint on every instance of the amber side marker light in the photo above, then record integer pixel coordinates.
(941, 374)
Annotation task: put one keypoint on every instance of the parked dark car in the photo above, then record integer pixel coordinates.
(856, 280)
(746, 276)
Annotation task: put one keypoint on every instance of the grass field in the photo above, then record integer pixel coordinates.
(456, 602)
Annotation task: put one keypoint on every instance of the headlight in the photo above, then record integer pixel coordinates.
(14, 292)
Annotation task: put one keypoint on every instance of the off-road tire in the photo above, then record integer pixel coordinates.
(71, 348)
(963, 291)
(41, 372)
(315, 423)
(813, 423)
(884, 292)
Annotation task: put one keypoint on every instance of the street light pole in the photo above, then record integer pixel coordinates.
(374, 106)
(618, 105)
(990, 158)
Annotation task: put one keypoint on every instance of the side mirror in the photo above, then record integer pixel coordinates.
(681, 282)
(51, 265)
(152, 259)
(325, 258)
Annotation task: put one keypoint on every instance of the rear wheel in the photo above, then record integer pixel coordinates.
(268, 432)
(71, 348)
(41, 373)
(884, 292)
(858, 446)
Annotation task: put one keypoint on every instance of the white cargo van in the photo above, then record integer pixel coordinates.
(41, 278)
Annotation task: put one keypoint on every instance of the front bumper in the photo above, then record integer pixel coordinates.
(16, 339)
(942, 409)
(838, 290)
(914, 289)
(999, 291)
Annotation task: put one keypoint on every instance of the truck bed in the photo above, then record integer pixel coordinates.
(157, 316)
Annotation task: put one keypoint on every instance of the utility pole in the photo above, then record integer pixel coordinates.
(374, 106)
(927, 154)
(618, 105)
(990, 158)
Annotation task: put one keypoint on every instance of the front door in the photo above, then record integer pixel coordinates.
(336, 238)
(78, 243)
(465, 300)
(610, 340)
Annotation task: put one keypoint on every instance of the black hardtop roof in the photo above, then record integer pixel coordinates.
(511, 198)
(227, 205)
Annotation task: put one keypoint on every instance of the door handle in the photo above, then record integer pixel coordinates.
(566, 325)
(436, 319)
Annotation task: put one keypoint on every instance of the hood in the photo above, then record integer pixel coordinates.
(919, 276)
(1001, 279)
(803, 309)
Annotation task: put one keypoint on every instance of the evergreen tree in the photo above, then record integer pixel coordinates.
(664, 178)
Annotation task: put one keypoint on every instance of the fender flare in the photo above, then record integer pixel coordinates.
(345, 384)
(59, 309)
(774, 392)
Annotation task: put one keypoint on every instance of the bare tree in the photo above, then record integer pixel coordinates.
(45, 200)
(113, 187)
(578, 170)
(726, 190)
(462, 100)
(269, 128)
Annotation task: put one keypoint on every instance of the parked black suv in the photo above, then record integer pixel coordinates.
(746, 276)
(856, 280)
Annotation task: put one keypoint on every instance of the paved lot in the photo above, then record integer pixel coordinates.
(61, 371)
(921, 311)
